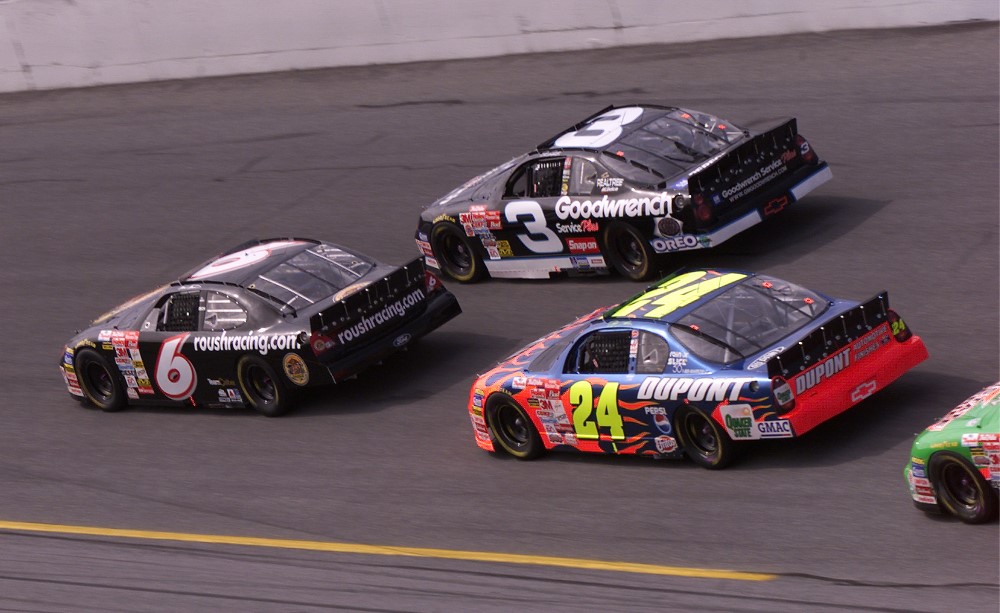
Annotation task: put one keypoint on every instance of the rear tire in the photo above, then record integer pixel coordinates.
(961, 489)
(455, 253)
(101, 384)
(628, 252)
(262, 388)
(703, 440)
(512, 429)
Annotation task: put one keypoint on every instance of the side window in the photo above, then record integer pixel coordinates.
(546, 178)
(179, 313)
(583, 178)
(222, 313)
(601, 353)
(517, 185)
(652, 355)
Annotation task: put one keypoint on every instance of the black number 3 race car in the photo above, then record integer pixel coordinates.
(617, 190)
(253, 324)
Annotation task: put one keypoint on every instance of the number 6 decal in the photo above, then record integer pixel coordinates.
(174, 373)
(539, 238)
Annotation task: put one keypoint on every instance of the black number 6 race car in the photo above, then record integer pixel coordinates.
(253, 324)
(617, 190)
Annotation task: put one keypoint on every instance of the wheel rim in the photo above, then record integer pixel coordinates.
(456, 253)
(701, 435)
(628, 249)
(99, 380)
(512, 426)
(961, 486)
(261, 384)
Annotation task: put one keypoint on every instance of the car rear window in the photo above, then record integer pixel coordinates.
(313, 274)
(748, 318)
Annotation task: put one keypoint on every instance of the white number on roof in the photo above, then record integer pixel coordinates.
(602, 130)
(235, 261)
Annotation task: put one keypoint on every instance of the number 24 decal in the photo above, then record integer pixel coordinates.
(539, 238)
(587, 417)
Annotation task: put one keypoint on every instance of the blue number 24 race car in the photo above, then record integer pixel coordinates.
(696, 365)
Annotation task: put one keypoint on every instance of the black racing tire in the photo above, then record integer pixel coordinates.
(261, 386)
(628, 252)
(703, 440)
(101, 383)
(512, 429)
(455, 253)
(961, 489)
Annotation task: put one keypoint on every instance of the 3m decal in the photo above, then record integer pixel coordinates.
(175, 375)
(588, 419)
(676, 293)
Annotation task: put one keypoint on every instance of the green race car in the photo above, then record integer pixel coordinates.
(955, 463)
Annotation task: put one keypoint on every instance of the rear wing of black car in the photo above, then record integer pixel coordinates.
(370, 312)
(747, 168)
(829, 338)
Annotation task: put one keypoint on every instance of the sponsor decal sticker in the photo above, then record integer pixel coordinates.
(764, 358)
(694, 390)
(295, 369)
(864, 390)
(680, 242)
(372, 322)
(582, 245)
(261, 343)
(657, 206)
(585, 226)
(666, 444)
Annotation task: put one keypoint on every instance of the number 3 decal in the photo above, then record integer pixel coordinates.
(174, 373)
(539, 238)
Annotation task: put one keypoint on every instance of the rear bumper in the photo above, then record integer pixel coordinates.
(851, 386)
(440, 309)
(770, 202)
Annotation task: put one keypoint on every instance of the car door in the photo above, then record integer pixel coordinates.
(604, 370)
(527, 209)
(192, 337)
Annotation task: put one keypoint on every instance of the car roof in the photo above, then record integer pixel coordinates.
(646, 140)
(676, 295)
(245, 262)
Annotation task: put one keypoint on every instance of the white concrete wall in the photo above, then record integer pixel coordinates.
(48, 44)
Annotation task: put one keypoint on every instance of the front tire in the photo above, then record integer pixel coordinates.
(101, 384)
(455, 253)
(703, 440)
(262, 388)
(512, 429)
(961, 489)
(628, 252)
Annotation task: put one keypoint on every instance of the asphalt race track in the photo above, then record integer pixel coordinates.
(108, 192)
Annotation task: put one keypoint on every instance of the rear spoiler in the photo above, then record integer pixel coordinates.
(741, 163)
(377, 307)
(835, 334)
